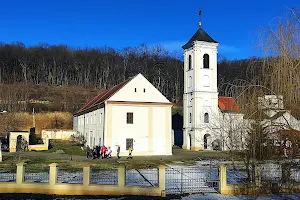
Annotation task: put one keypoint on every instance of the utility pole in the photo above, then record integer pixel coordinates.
(33, 118)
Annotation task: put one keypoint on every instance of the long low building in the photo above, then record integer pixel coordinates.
(132, 113)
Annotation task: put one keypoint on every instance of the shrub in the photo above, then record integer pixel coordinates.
(78, 140)
(32, 136)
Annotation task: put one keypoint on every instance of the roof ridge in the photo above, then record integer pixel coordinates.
(105, 94)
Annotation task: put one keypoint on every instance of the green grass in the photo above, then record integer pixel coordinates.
(74, 158)
(66, 147)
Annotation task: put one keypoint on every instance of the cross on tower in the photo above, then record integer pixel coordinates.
(200, 21)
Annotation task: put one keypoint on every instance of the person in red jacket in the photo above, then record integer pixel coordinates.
(103, 151)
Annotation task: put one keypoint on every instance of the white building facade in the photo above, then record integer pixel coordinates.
(200, 98)
(208, 118)
(133, 113)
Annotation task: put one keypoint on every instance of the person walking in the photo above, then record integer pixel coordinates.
(104, 151)
(109, 151)
(118, 152)
(94, 153)
(98, 151)
(88, 151)
(130, 152)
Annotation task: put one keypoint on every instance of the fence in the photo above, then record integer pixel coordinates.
(104, 176)
(239, 174)
(266, 178)
(180, 180)
(36, 174)
(70, 175)
(84, 181)
(142, 177)
(8, 175)
(227, 179)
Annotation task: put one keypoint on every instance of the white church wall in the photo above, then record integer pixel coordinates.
(91, 126)
(203, 75)
(138, 131)
(139, 89)
(159, 130)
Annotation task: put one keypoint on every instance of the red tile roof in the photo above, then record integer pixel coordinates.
(103, 96)
(228, 104)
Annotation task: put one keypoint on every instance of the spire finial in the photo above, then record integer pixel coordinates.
(200, 21)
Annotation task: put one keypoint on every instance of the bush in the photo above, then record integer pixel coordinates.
(32, 136)
(78, 140)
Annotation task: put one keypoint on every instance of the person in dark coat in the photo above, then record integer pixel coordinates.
(118, 152)
(88, 152)
(98, 151)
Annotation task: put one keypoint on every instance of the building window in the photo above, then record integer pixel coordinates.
(129, 118)
(190, 117)
(190, 81)
(134, 89)
(100, 118)
(206, 61)
(95, 118)
(190, 62)
(129, 143)
(206, 118)
(144, 90)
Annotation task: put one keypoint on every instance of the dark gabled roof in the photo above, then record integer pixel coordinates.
(103, 96)
(200, 35)
(227, 104)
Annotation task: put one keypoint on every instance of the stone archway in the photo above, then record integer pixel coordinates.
(207, 141)
(13, 139)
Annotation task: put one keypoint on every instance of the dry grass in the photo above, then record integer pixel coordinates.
(47, 120)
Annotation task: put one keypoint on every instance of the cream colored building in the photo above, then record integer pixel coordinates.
(133, 113)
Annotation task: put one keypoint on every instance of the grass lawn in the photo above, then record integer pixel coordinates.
(72, 157)
(65, 147)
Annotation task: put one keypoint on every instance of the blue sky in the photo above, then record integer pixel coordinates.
(120, 23)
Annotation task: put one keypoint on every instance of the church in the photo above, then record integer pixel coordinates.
(213, 122)
(131, 114)
(204, 111)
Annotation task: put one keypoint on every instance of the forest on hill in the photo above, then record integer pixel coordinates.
(67, 78)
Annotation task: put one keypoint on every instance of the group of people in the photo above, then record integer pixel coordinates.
(104, 152)
(98, 152)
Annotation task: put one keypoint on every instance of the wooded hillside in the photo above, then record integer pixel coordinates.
(68, 78)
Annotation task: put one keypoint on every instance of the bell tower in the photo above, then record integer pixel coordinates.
(200, 98)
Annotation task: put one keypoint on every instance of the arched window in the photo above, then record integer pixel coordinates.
(206, 61)
(206, 118)
(190, 62)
